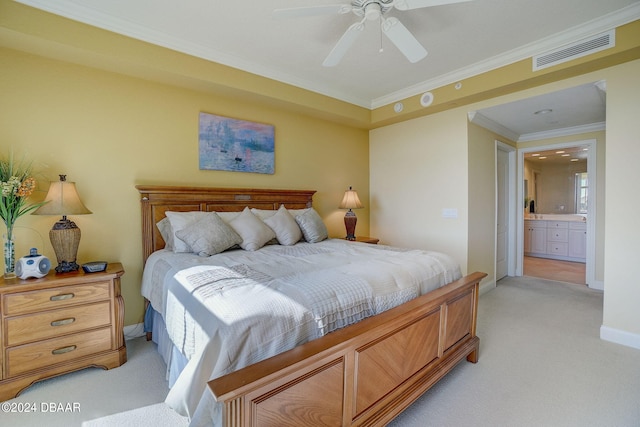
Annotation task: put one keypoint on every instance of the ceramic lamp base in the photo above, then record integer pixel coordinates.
(350, 221)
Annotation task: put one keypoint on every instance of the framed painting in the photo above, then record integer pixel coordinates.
(235, 145)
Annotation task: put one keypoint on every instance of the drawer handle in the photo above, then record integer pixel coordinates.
(63, 322)
(62, 297)
(64, 350)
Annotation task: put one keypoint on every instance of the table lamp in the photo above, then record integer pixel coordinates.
(350, 201)
(63, 199)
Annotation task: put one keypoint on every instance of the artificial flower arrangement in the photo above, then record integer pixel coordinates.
(17, 184)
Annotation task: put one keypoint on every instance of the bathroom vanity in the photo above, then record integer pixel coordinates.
(561, 237)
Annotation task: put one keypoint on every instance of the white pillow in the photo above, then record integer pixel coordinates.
(228, 216)
(312, 227)
(209, 235)
(263, 213)
(164, 226)
(179, 221)
(255, 233)
(285, 226)
(295, 212)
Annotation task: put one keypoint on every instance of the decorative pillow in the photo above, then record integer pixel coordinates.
(209, 235)
(228, 216)
(286, 228)
(179, 221)
(312, 227)
(164, 226)
(295, 212)
(255, 233)
(263, 213)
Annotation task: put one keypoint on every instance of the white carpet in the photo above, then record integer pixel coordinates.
(541, 363)
(134, 391)
(158, 415)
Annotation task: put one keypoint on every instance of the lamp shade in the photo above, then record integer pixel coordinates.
(62, 199)
(350, 200)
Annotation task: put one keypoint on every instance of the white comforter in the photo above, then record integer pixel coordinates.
(236, 308)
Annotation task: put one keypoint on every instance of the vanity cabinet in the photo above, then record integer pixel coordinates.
(577, 240)
(562, 240)
(557, 238)
(535, 237)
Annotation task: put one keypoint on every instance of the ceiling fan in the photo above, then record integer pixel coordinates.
(370, 10)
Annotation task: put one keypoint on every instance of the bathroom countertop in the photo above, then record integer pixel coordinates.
(556, 217)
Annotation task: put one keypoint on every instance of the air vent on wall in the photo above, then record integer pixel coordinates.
(576, 50)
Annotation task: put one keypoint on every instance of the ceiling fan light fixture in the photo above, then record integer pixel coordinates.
(372, 11)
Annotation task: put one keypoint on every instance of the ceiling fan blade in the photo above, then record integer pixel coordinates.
(403, 39)
(418, 4)
(330, 9)
(343, 45)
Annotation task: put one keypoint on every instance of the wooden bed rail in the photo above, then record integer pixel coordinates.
(364, 374)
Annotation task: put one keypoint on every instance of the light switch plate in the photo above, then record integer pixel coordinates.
(450, 213)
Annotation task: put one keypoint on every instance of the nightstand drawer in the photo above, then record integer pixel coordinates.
(49, 324)
(45, 353)
(48, 299)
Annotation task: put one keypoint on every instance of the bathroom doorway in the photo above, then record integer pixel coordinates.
(557, 262)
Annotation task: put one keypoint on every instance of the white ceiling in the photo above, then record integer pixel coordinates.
(462, 39)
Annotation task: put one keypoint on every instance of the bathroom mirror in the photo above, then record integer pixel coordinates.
(551, 180)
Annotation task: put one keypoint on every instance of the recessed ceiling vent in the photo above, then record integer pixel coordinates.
(576, 50)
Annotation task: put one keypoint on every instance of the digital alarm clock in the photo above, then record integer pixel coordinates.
(33, 265)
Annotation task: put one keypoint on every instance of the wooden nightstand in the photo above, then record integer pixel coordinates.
(58, 324)
(364, 239)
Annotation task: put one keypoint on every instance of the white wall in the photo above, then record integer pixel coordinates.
(621, 321)
(413, 178)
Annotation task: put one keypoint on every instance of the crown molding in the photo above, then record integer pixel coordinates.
(555, 133)
(485, 122)
(76, 11)
(604, 23)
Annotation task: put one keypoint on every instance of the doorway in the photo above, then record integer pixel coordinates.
(505, 212)
(546, 268)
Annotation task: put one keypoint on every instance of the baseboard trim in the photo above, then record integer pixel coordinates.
(597, 285)
(487, 286)
(133, 331)
(620, 337)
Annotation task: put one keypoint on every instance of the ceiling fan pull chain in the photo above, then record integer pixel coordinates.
(381, 49)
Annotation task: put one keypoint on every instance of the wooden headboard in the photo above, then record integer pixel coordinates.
(156, 200)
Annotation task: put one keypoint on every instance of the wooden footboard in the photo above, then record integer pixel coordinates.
(364, 374)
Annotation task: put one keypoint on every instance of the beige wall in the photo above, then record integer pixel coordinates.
(109, 132)
(482, 198)
(433, 162)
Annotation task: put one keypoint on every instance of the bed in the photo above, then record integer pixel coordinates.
(314, 331)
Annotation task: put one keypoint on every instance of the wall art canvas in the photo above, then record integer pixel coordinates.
(235, 145)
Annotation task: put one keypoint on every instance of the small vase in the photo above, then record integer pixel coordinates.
(9, 258)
